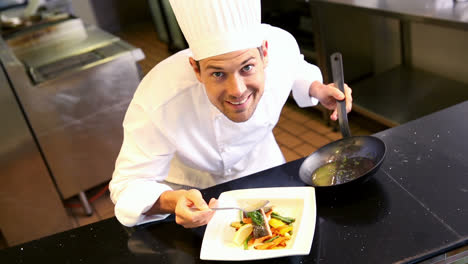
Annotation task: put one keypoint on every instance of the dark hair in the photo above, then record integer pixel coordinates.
(260, 49)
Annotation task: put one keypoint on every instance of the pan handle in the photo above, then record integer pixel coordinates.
(338, 79)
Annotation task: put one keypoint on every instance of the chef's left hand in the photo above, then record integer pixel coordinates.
(328, 95)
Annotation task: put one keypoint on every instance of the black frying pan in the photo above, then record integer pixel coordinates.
(352, 159)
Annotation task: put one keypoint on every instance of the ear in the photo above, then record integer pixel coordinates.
(195, 68)
(265, 53)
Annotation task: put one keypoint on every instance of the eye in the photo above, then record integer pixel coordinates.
(217, 74)
(247, 68)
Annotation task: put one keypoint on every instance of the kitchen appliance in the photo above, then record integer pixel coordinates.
(74, 83)
(30, 206)
(8, 4)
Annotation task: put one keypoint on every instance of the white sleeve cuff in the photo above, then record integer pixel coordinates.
(306, 75)
(136, 199)
(301, 95)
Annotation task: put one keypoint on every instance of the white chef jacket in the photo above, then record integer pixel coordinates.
(172, 132)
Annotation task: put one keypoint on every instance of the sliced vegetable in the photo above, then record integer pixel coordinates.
(256, 216)
(247, 220)
(285, 229)
(246, 242)
(272, 244)
(237, 225)
(251, 241)
(242, 234)
(262, 239)
(271, 239)
(263, 229)
(275, 223)
(287, 220)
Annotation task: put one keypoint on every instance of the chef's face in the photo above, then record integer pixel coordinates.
(234, 81)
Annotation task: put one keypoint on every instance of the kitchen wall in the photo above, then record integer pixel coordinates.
(84, 9)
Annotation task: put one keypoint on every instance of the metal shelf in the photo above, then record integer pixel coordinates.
(403, 94)
(443, 13)
(375, 35)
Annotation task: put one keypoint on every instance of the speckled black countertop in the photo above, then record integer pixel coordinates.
(414, 207)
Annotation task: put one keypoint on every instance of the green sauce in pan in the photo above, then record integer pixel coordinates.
(341, 171)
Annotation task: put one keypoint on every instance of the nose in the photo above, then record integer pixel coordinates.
(236, 86)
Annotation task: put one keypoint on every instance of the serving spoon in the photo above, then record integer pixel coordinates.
(246, 206)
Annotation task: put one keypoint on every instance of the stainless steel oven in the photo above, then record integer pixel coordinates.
(30, 206)
(74, 82)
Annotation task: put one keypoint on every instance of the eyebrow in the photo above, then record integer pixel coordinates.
(220, 68)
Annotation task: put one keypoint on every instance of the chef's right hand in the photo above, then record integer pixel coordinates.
(192, 211)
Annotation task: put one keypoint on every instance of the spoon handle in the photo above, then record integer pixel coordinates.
(225, 208)
(338, 79)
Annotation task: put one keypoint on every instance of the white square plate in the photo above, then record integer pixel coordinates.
(296, 202)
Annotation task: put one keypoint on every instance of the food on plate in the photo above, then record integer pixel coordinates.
(263, 229)
(341, 171)
(242, 233)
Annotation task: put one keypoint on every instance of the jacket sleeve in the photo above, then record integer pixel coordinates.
(304, 73)
(143, 161)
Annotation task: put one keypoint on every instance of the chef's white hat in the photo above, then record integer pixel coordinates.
(214, 27)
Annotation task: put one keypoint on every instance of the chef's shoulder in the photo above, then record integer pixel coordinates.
(281, 43)
(165, 81)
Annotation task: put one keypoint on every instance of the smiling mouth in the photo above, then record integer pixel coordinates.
(239, 102)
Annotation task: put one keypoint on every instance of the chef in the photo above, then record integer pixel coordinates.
(205, 115)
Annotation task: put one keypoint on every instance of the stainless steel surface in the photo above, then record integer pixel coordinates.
(404, 94)
(30, 206)
(94, 39)
(84, 201)
(76, 107)
(405, 40)
(440, 50)
(43, 70)
(443, 12)
(11, 3)
(353, 40)
(28, 18)
(424, 41)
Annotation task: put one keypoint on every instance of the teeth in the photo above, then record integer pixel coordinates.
(241, 102)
